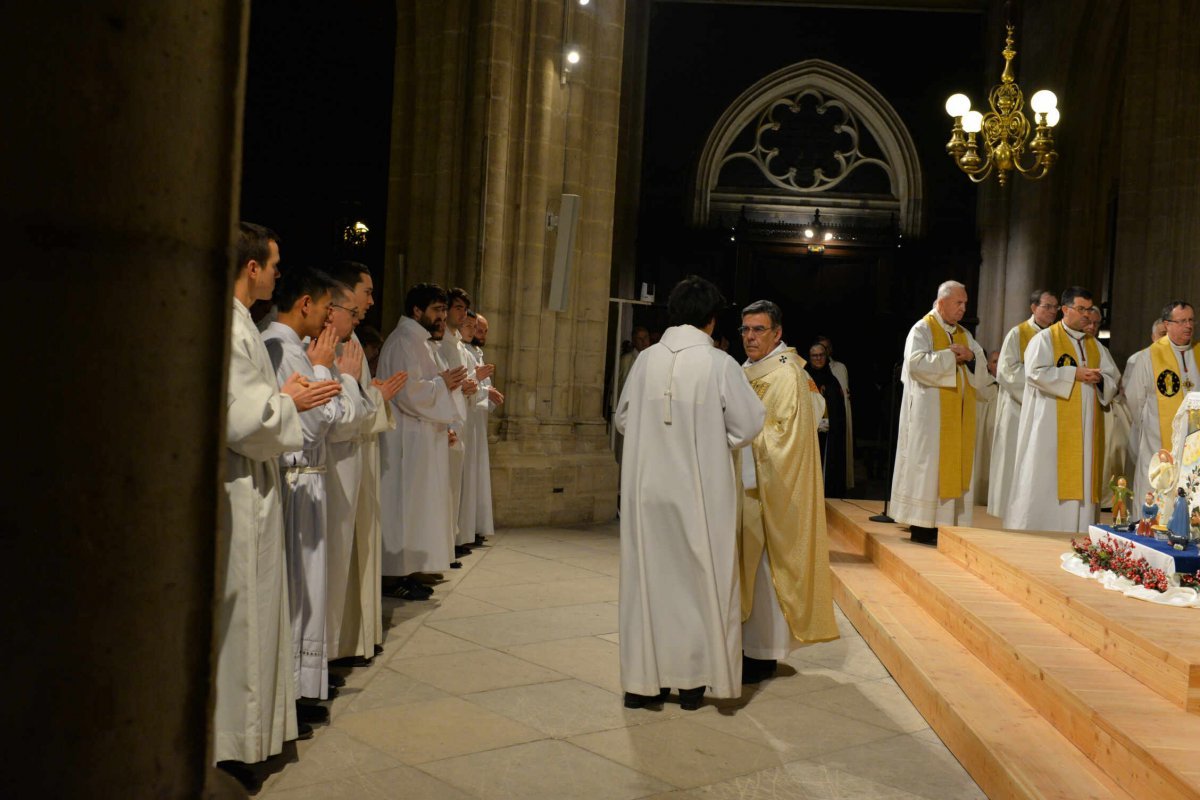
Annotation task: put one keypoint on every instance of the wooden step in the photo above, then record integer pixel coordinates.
(1158, 645)
(1142, 741)
(1010, 750)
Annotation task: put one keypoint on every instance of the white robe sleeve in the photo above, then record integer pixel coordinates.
(425, 397)
(261, 422)
(355, 409)
(925, 365)
(744, 412)
(1010, 370)
(1041, 372)
(1139, 385)
(1112, 376)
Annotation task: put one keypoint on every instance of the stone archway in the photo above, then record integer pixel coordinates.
(866, 137)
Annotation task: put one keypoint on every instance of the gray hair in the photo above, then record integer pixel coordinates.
(947, 288)
(765, 307)
(1035, 298)
(1154, 327)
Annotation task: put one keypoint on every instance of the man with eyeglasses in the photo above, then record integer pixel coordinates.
(453, 352)
(935, 451)
(787, 599)
(354, 623)
(1162, 376)
(1010, 376)
(1059, 472)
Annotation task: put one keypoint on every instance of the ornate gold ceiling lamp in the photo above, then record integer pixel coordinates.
(1005, 129)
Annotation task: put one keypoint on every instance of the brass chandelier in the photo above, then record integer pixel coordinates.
(1004, 129)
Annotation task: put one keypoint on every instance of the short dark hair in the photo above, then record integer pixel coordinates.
(694, 301)
(1170, 307)
(422, 296)
(765, 307)
(1071, 292)
(458, 294)
(471, 314)
(349, 273)
(1035, 297)
(252, 244)
(299, 282)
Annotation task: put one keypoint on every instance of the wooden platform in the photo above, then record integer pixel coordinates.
(1044, 685)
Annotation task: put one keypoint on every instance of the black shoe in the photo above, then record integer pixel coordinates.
(336, 681)
(479, 540)
(922, 535)
(461, 550)
(304, 731)
(308, 711)
(455, 565)
(642, 700)
(348, 661)
(242, 773)
(691, 699)
(425, 578)
(756, 670)
(378, 649)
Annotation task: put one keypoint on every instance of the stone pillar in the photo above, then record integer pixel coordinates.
(121, 168)
(485, 159)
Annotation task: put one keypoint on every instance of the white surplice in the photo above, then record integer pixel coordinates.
(843, 377)
(475, 455)
(454, 354)
(344, 487)
(417, 515)
(925, 373)
(685, 407)
(1033, 501)
(986, 399)
(304, 510)
(254, 710)
(1010, 375)
(1142, 399)
(484, 522)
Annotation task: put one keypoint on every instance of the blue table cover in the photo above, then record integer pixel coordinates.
(1187, 560)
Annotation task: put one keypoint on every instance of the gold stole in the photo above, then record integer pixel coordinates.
(956, 442)
(1026, 330)
(1070, 421)
(1167, 384)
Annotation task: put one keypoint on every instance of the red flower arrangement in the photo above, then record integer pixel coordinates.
(1116, 555)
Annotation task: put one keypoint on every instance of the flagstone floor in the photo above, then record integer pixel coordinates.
(505, 685)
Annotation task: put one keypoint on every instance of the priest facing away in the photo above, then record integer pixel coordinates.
(935, 452)
(686, 406)
(1060, 439)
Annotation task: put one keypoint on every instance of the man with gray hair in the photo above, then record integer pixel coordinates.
(935, 453)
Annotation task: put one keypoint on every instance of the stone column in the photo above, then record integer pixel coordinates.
(121, 168)
(505, 138)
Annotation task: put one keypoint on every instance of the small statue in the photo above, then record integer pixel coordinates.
(1145, 526)
(1179, 527)
(1120, 506)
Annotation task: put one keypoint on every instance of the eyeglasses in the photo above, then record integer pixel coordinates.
(353, 312)
(1082, 309)
(1050, 306)
(757, 330)
(1189, 321)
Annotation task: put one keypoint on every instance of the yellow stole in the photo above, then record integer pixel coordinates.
(1026, 330)
(956, 442)
(1168, 387)
(1070, 421)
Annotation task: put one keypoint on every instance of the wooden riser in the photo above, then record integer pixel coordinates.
(1128, 730)
(1006, 746)
(1160, 646)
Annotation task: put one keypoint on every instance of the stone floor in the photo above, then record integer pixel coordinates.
(505, 685)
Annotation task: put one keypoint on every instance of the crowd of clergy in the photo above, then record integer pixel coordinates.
(724, 549)
(1046, 429)
(339, 487)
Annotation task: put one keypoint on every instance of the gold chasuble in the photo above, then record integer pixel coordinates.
(1169, 387)
(785, 512)
(1026, 330)
(1070, 421)
(956, 446)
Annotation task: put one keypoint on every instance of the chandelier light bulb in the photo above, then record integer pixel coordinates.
(828, 236)
(972, 121)
(1052, 117)
(1043, 101)
(584, 2)
(573, 56)
(957, 105)
(808, 233)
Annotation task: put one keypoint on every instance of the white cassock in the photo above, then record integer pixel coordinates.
(475, 478)
(926, 372)
(304, 510)
(1033, 502)
(450, 349)
(685, 407)
(255, 709)
(1010, 376)
(1142, 398)
(343, 487)
(416, 509)
(367, 527)
(484, 522)
(843, 376)
(986, 399)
